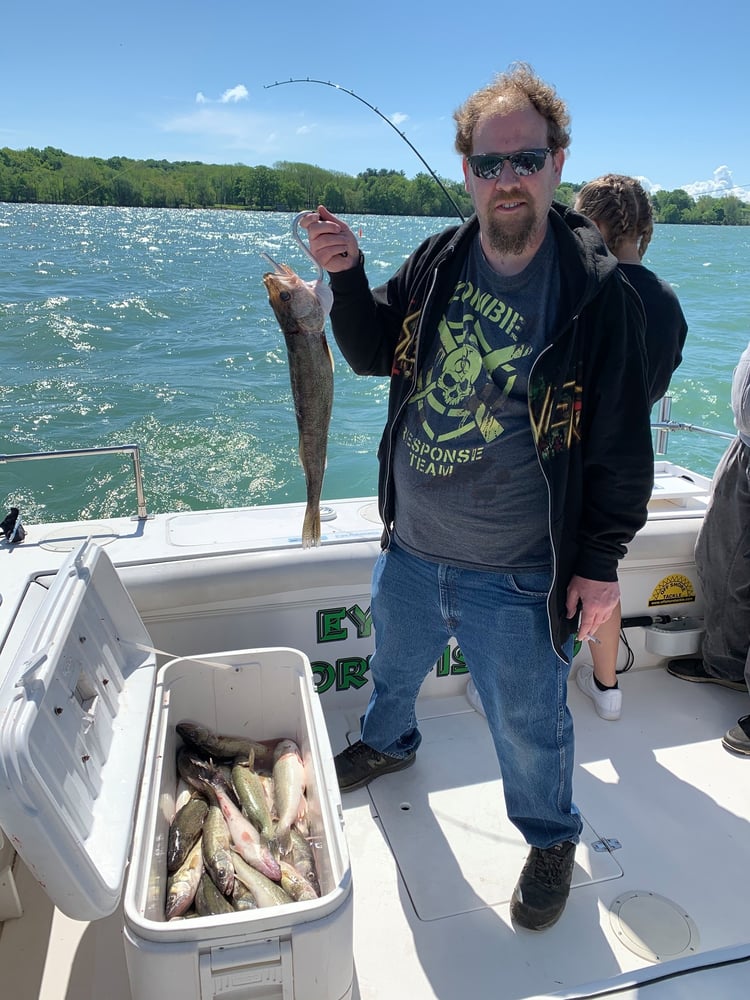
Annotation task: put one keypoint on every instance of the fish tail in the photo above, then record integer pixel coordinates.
(311, 527)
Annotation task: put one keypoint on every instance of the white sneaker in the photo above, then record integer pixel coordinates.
(608, 704)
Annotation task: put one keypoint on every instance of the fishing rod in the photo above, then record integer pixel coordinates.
(336, 86)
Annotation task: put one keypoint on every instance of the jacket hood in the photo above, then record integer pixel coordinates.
(590, 241)
(584, 258)
(574, 228)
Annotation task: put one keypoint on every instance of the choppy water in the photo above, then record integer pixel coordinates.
(153, 327)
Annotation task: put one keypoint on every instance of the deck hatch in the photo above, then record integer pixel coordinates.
(653, 926)
(445, 821)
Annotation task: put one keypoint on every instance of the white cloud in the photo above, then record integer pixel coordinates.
(648, 186)
(722, 186)
(399, 118)
(231, 96)
(238, 93)
(304, 130)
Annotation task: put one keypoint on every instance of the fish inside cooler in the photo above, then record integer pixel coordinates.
(265, 696)
(240, 838)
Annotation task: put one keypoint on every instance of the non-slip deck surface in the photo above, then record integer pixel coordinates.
(432, 921)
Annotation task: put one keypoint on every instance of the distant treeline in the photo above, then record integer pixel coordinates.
(50, 176)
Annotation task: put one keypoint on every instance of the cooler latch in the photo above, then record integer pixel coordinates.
(260, 971)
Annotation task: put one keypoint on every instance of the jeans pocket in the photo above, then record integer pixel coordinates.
(530, 584)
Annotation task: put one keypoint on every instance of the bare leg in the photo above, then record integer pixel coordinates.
(599, 683)
(604, 653)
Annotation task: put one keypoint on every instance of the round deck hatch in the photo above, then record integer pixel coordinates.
(68, 538)
(370, 513)
(652, 926)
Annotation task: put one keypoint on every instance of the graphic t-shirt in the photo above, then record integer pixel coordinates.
(469, 488)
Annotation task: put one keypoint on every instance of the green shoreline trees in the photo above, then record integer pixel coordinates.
(51, 176)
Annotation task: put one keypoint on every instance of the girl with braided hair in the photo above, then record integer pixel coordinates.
(621, 210)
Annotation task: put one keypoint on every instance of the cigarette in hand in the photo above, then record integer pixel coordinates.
(591, 638)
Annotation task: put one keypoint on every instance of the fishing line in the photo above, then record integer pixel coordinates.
(145, 648)
(336, 86)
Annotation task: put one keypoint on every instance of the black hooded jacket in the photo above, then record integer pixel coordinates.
(588, 400)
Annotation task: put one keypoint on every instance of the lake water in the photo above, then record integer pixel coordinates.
(153, 327)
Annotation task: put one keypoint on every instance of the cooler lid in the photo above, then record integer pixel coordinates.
(74, 712)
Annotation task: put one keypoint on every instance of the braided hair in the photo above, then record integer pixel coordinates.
(622, 207)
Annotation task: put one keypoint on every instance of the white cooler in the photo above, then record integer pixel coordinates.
(88, 743)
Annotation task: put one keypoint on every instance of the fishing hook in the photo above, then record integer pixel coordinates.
(303, 246)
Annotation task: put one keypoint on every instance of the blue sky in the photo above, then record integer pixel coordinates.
(656, 89)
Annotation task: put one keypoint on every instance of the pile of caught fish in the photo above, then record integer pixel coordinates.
(239, 837)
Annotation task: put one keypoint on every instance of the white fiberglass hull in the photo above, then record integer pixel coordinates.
(655, 908)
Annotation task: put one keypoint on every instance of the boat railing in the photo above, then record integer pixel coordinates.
(116, 449)
(664, 425)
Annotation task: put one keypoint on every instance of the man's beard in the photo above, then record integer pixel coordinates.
(510, 242)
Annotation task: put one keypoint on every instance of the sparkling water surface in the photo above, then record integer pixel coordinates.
(152, 326)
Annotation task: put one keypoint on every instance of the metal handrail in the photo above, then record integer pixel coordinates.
(676, 425)
(663, 426)
(116, 449)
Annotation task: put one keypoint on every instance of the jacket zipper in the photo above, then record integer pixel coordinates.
(553, 583)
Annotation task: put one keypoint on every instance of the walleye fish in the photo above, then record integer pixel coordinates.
(209, 901)
(303, 858)
(301, 308)
(253, 800)
(289, 786)
(245, 838)
(184, 793)
(215, 745)
(217, 856)
(195, 770)
(182, 886)
(295, 883)
(264, 891)
(266, 781)
(184, 830)
(242, 898)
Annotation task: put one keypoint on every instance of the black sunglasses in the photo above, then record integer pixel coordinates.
(489, 166)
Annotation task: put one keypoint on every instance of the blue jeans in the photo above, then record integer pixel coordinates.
(500, 622)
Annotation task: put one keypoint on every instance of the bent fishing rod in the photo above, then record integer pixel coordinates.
(336, 86)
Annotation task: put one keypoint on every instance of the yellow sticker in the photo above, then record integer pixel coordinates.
(674, 589)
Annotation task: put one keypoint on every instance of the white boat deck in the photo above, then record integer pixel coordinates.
(434, 862)
(661, 878)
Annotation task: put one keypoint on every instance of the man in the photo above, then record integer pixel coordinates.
(515, 466)
(722, 558)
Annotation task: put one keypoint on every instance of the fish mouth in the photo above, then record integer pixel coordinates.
(278, 268)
